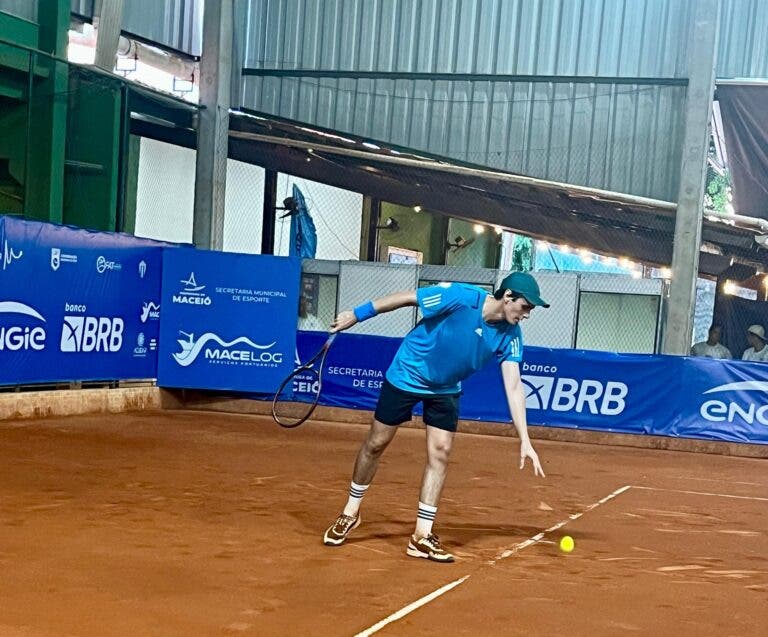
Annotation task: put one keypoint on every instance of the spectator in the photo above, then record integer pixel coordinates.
(756, 338)
(712, 347)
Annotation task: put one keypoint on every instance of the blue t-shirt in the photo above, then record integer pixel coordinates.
(451, 342)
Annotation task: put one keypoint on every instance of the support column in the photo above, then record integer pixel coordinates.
(268, 212)
(47, 112)
(108, 33)
(372, 244)
(213, 126)
(690, 199)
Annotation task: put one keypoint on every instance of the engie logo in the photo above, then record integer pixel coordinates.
(102, 265)
(718, 410)
(149, 310)
(226, 352)
(21, 337)
(92, 334)
(192, 293)
(569, 394)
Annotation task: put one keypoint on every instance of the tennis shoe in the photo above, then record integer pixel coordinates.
(338, 531)
(429, 548)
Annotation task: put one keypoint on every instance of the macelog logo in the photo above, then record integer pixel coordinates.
(226, 353)
(717, 410)
(569, 394)
(21, 337)
(92, 334)
(149, 310)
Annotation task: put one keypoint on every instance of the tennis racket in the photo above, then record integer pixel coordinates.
(297, 396)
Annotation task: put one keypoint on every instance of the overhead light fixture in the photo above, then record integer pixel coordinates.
(478, 228)
(417, 208)
(498, 229)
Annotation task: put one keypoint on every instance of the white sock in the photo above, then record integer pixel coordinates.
(356, 493)
(425, 519)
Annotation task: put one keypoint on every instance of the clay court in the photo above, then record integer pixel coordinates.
(183, 523)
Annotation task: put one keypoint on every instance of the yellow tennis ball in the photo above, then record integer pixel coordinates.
(566, 544)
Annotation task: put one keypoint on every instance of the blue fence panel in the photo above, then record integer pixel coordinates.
(229, 320)
(76, 305)
(622, 393)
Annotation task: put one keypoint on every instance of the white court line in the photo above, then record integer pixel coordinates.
(407, 610)
(717, 495)
(575, 516)
(411, 607)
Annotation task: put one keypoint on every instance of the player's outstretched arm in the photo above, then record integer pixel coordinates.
(513, 387)
(348, 318)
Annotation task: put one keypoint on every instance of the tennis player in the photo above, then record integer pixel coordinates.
(463, 327)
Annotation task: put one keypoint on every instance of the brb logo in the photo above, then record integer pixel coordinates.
(721, 410)
(20, 335)
(569, 394)
(92, 334)
(192, 293)
(240, 351)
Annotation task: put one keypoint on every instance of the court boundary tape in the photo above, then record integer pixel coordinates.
(423, 601)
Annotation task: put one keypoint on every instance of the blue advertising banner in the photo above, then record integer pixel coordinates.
(76, 305)
(623, 393)
(229, 320)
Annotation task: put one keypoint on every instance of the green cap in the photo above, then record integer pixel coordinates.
(522, 284)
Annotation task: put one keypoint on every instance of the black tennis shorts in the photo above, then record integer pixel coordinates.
(395, 407)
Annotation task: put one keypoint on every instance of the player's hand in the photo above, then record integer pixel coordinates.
(343, 321)
(527, 451)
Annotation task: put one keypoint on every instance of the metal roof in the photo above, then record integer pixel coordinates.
(604, 222)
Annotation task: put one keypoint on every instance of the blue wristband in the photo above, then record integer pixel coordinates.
(365, 311)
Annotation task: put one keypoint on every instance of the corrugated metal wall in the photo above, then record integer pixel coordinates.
(598, 131)
(628, 38)
(610, 136)
(743, 50)
(26, 9)
(177, 24)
